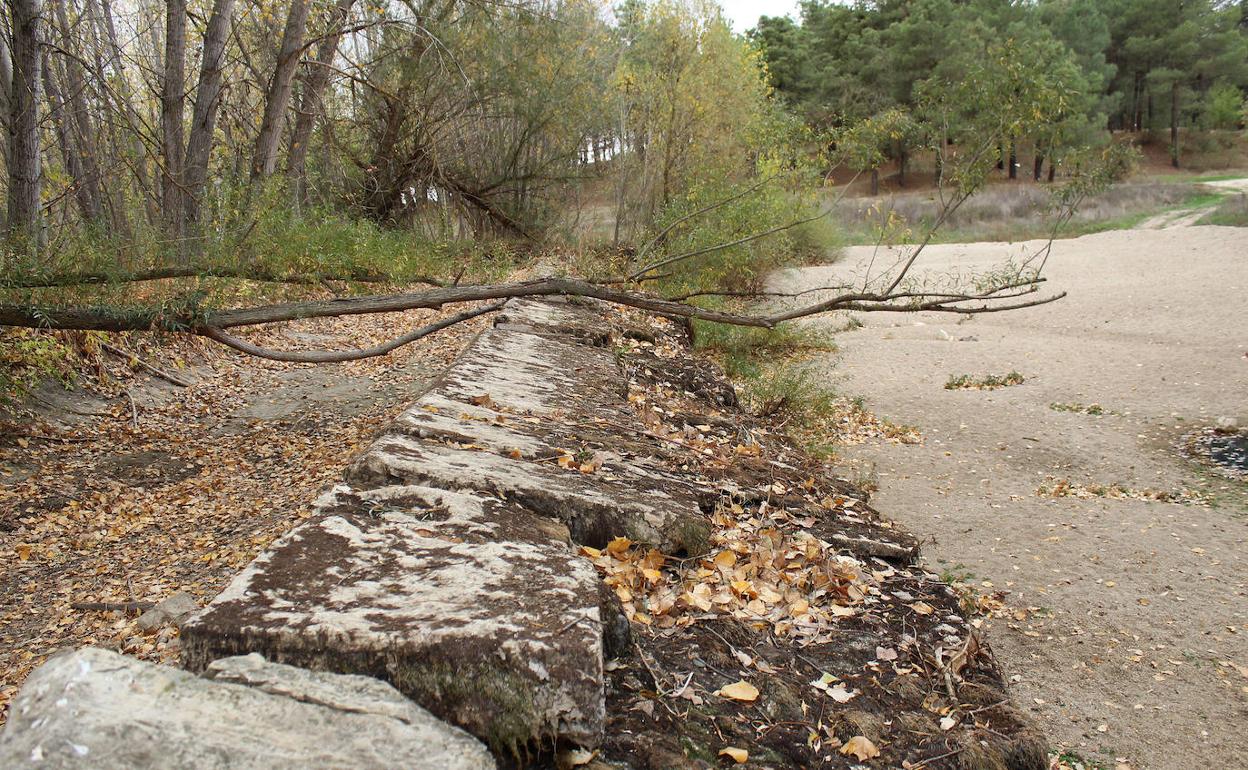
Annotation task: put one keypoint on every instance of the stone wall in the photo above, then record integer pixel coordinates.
(443, 566)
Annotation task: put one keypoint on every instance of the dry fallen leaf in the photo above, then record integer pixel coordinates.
(861, 748)
(736, 755)
(742, 691)
(574, 758)
(840, 694)
(923, 608)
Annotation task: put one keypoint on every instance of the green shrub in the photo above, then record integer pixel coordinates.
(27, 357)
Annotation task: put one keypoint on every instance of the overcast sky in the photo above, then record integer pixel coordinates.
(744, 13)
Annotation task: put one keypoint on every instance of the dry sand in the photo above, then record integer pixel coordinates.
(1127, 629)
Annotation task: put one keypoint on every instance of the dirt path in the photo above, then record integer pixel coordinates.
(1127, 623)
(1187, 217)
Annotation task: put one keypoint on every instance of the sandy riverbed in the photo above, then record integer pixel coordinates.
(1128, 622)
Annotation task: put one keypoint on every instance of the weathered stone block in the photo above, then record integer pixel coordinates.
(97, 709)
(634, 502)
(533, 373)
(470, 606)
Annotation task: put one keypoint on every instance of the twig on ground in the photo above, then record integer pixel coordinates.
(113, 606)
(134, 409)
(152, 368)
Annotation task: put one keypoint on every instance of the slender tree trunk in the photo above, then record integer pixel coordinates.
(902, 157)
(80, 128)
(25, 174)
(875, 181)
(1013, 160)
(310, 105)
(138, 150)
(173, 84)
(264, 159)
(1052, 171)
(88, 204)
(6, 92)
(207, 103)
(1136, 111)
(1174, 124)
(1038, 166)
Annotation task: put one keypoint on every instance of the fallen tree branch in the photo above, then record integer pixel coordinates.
(335, 356)
(213, 323)
(190, 271)
(113, 606)
(861, 546)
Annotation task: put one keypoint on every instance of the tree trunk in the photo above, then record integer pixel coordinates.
(1136, 109)
(24, 167)
(172, 182)
(902, 157)
(6, 92)
(78, 123)
(1038, 166)
(207, 102)
(138, 151)
(264, 159)
(875, 181)
(1013, 160)
(88, 205)
(1052, 171)
(1174, 124)
(310, 106)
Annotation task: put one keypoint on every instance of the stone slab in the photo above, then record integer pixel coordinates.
(633, 503)
(96, 709)
(532, 373)
(474, 608)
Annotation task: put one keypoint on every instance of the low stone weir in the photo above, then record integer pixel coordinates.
(440, 596)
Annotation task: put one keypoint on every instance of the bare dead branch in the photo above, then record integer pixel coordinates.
(638, 274)
(335, 356)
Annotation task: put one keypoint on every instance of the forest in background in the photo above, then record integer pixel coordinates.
(1143, 66)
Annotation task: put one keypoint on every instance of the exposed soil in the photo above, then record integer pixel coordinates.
(97, 508)
(1126, 631)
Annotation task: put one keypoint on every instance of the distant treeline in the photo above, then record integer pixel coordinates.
(1130, 65)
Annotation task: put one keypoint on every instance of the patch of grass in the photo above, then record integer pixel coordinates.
(958, 573)
(1006, 212)
(1093, 409)
(986, 382)
(1070, 760)
(1232, 212)
(1197, 179)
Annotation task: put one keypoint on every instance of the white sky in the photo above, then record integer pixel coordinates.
(744, 13)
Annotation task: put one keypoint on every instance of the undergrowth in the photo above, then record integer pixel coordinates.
(28, 357)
